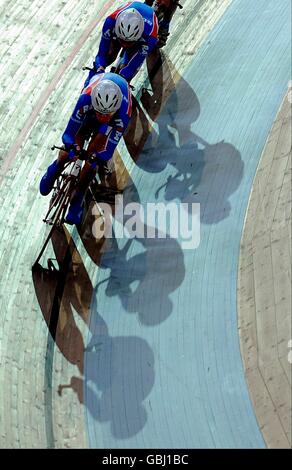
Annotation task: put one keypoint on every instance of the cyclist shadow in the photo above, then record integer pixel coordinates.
(67, 292)
(142, 272)
(205, 173)
(112, 367)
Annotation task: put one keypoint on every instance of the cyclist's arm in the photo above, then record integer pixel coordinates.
(135, 62)
(104, 47)
(113, 134)
(76, 120)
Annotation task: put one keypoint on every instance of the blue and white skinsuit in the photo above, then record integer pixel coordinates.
(134, 56)
(84, 116)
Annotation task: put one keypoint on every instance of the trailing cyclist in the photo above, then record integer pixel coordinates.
(102, 112)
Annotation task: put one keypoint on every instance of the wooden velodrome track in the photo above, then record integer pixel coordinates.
(136, 344)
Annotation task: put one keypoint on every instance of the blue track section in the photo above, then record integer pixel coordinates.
(163, 363)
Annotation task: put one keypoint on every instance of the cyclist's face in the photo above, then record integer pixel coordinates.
(127, 44)
(104, 118)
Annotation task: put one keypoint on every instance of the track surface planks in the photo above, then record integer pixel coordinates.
(264, 286)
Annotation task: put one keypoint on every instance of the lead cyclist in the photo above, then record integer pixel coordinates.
(133, 29)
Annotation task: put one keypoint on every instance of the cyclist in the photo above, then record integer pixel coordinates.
(103, 111)
(133, 28)
(165, 10)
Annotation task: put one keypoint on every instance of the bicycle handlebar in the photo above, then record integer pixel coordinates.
(56, 147)
(100, 69)
(113, 70)
(91, 69)
(176, 2)
(82, 154)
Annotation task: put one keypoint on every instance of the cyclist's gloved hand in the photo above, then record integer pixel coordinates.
(100, 69)
(95, 70)
(72, 150)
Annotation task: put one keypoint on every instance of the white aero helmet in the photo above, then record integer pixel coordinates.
(129, 25)
(106, 97)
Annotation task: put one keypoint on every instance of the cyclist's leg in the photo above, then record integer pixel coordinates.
(52, 173)
(165, 10)
(125, 59)
(87, 175)
(90, 169)
(76, 208)
(75, 212)
(105, 167)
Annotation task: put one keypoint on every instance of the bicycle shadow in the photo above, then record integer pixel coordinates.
(206, 173)
(137, 268)
(144, 273)
(66, 292)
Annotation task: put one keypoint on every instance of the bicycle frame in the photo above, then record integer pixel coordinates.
(65, 180)
(62, 194)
